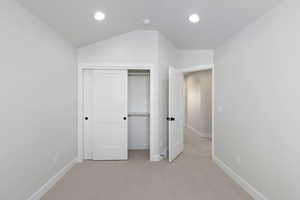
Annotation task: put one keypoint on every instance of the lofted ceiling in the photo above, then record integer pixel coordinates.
(219, 18)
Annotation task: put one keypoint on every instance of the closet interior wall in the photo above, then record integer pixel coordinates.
(138, 109)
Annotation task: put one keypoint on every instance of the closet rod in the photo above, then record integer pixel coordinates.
(138, 74)
(138, 114)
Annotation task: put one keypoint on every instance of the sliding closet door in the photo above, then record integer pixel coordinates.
(106, 114)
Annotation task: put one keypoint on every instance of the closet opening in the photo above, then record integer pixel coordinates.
(116, 117)
(138, 114)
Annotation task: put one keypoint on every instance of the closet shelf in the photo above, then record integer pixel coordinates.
(135, 114)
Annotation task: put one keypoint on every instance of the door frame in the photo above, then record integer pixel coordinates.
(110, 66)
(197, 69)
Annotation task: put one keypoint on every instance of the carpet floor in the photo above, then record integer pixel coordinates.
(192, 176)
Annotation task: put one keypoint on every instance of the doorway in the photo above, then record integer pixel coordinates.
(199, 102)
(138, 113)
(202, 107)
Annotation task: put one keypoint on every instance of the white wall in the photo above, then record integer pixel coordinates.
(257, 95)
(198, 102)
(192, 58)
(138, 93)
(167, 57)
(37, 83)
(135, 46)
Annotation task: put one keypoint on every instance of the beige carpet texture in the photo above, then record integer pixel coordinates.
(192, 176)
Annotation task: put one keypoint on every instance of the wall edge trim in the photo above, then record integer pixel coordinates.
(253, 192)
(52, 181)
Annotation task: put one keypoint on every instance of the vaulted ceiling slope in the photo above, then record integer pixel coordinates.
(219, 18)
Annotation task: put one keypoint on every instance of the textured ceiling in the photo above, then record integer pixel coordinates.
(219, 18)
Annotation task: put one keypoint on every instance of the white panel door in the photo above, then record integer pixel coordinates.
(176, 113)
(105, 114)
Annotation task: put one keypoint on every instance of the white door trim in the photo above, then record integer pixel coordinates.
(202, 68)
(196, 68)
(111, 66)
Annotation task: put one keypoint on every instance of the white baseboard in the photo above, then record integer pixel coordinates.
(155, 158)
(239, 180)
(206, 135)
(159, 157)
(52, 181)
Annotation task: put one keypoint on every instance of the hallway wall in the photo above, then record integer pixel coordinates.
(199, 102)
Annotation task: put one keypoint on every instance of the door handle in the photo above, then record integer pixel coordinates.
(170, 118)
(124, 118)
(86, 118)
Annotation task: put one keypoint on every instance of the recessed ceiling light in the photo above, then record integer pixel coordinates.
(147, 21)
(194, 18)
(99, 16)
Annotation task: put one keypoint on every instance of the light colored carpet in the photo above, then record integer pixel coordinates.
(192, 176)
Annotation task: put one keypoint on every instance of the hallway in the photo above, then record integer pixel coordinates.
(192, 176)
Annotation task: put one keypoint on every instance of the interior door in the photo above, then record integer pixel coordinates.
(176, 113)
(105, 110)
